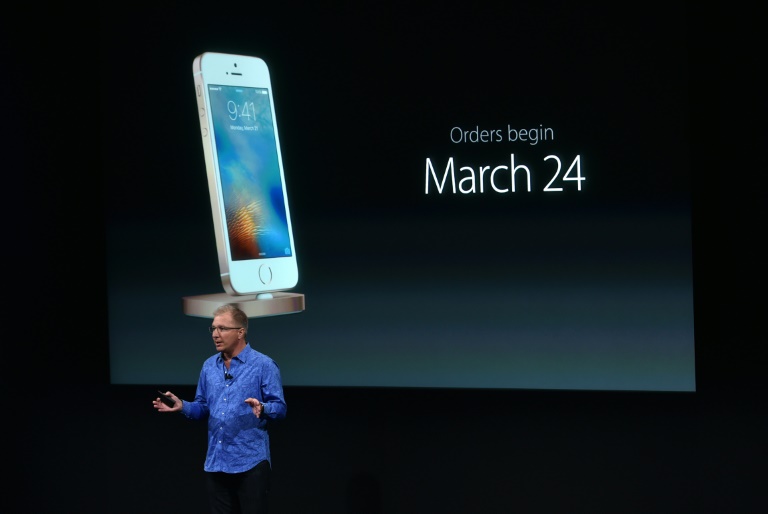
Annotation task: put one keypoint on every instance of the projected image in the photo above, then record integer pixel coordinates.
(247, 153)
(497, 198)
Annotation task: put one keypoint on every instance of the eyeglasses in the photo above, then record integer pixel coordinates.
(222, 329)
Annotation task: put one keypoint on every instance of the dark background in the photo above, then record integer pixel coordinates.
(78, 444)
(585, 289)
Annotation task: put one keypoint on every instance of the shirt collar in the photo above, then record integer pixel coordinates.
(242, 356)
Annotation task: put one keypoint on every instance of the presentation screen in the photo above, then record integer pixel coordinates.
(480, 197)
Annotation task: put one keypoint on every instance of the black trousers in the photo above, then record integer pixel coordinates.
(240, 493)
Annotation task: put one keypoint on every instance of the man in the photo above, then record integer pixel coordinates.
(239, 391)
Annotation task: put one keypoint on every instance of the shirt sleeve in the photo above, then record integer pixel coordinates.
(197, 409)
(272, 391)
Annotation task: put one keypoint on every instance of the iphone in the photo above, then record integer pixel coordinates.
(246, 181)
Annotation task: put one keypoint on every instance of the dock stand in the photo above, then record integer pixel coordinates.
(254, 306)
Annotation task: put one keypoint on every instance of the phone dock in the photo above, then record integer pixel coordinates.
(254, 306)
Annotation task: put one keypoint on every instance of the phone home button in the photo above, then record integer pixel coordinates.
(265, 274)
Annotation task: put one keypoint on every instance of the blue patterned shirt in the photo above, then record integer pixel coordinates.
(237, 439)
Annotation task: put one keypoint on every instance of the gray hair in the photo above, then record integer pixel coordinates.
(238, 315)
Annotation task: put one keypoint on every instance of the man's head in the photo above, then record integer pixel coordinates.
(229, 329)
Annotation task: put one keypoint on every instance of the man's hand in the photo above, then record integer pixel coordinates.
(258, 407)
(159, 406)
